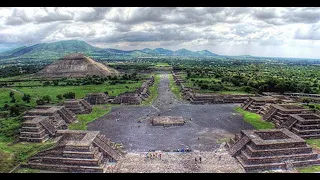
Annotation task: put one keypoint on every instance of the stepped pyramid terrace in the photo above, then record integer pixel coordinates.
(77, 151)
(258, 150)
(259, 105)
(97, 98)
(77, 65)
(304, 125)
(279, 113)
(43, 122)
(78, 106)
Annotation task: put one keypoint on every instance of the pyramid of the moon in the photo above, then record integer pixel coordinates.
(76, 65)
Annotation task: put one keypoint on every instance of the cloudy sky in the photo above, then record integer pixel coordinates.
(274, 31)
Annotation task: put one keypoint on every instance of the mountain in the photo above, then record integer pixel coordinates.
(57, 50)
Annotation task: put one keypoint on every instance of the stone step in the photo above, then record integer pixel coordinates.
(82, 155)
(31, 129)
(275, 159)
(72, 161)
(275, 152)
(278, 145)
(68, 168)
(309, 126)
(38, 134)
(38, 140)
(260, 167)
(310, 136)
(305, 131)
(309, 121)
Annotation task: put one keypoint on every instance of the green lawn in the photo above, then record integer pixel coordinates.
(315, 143)
(153, 91)
(174, 87)
(80, 91)
(309, 169)
(84, 119)
(162, 64)
(11, 154)
(254, 119)
(5, 98)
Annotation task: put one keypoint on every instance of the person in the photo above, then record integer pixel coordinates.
(200, 159)
(219, 158)
(195, 159)
(160, 156)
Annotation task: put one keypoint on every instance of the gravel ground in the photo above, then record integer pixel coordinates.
(218, 161)
(205, 126)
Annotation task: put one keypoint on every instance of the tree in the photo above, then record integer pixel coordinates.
(11, 94)
(13, 100)
(6, 107)
(40, 102)
(70, 95)
(59, 97)
(47, 83)
(46, 99)
(26, 98)
(106, 92)
(14, 110)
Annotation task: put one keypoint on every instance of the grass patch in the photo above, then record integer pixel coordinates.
(84, 119)
(11, 154)
(314, 143)
(174, 87)
(80, 91)
(220, 141)
(310, 169)
(162, 65)
(153, 91)
(27, 170)
(254, 119)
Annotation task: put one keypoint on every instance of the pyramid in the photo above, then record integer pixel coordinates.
(76, 65)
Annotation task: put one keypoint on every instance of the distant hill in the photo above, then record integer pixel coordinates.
(57, 50)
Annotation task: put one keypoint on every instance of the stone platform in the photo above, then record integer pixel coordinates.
(78, 106)
(96, 98)
(279, 113)
(271, 149)
(44, 121)
(304, 125)
(77, 151)
(259, 104)
(168, 121)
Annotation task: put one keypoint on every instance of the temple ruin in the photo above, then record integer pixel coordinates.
(43, 122)
(259, 105)
(271, 149)
(78, 106)
(304, 125)
(97, 98)
(279, 113)
(76, 65)
(77, 151)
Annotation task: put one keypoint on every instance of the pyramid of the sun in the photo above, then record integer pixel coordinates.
(76, 65)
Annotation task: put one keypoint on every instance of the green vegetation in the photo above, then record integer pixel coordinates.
(12, 154)
(314, 143)
(254, 119)
(175, 89)
(162, 65)
(84, 119)
(26, 170)
(153, 90)
(310, 169)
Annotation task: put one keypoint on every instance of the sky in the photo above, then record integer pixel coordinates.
(259, 31)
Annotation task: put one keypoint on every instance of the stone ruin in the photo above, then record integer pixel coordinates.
(279, 113)
(271, 149)
(167, 121)
(135, 98)
(303, 125)
(97, 98)
(78, 106)
(43, 122)
(128, 98)
(259, 105)
(77, 151)
(212, 98)
(203, 98)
